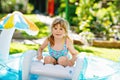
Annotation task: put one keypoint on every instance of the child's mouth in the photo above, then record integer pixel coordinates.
(58, 34)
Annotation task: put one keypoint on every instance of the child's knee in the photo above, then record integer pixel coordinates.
(63, 61)
(48, 60)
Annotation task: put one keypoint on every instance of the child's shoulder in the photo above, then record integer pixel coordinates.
(69, 40)
(46, 40)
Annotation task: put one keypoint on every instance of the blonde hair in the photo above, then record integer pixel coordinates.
(63, 23)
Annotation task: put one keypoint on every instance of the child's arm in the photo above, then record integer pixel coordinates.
(73, 52)
(41, 48)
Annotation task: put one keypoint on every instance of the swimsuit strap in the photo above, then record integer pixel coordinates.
(64, 46)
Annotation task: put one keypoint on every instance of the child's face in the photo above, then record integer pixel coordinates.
(58, 31)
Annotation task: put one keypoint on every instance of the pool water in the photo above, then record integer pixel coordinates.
(97, 69)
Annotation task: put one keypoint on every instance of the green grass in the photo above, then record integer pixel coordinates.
(108, 53)
(2, 15)
(22, 47)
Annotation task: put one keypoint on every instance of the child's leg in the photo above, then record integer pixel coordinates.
(49, 60)
(63, 61)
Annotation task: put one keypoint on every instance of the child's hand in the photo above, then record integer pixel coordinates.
(39, 57)
(70, 63)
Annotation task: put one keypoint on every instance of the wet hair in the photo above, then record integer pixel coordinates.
(63, 23)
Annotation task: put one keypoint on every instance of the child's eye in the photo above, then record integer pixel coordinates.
(61, 28)
(55, 28)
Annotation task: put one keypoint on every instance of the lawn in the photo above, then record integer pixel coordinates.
(108, 53)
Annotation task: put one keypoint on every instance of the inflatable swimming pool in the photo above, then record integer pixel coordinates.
(94, 68)
(50, 71)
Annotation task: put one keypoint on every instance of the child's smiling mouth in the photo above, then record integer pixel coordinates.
(58, 34)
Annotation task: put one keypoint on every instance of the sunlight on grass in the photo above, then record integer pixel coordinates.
(113, 54)
(19, 48)
(108, 53)
(16, 47)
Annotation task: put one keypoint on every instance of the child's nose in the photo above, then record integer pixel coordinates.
(58, 30)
